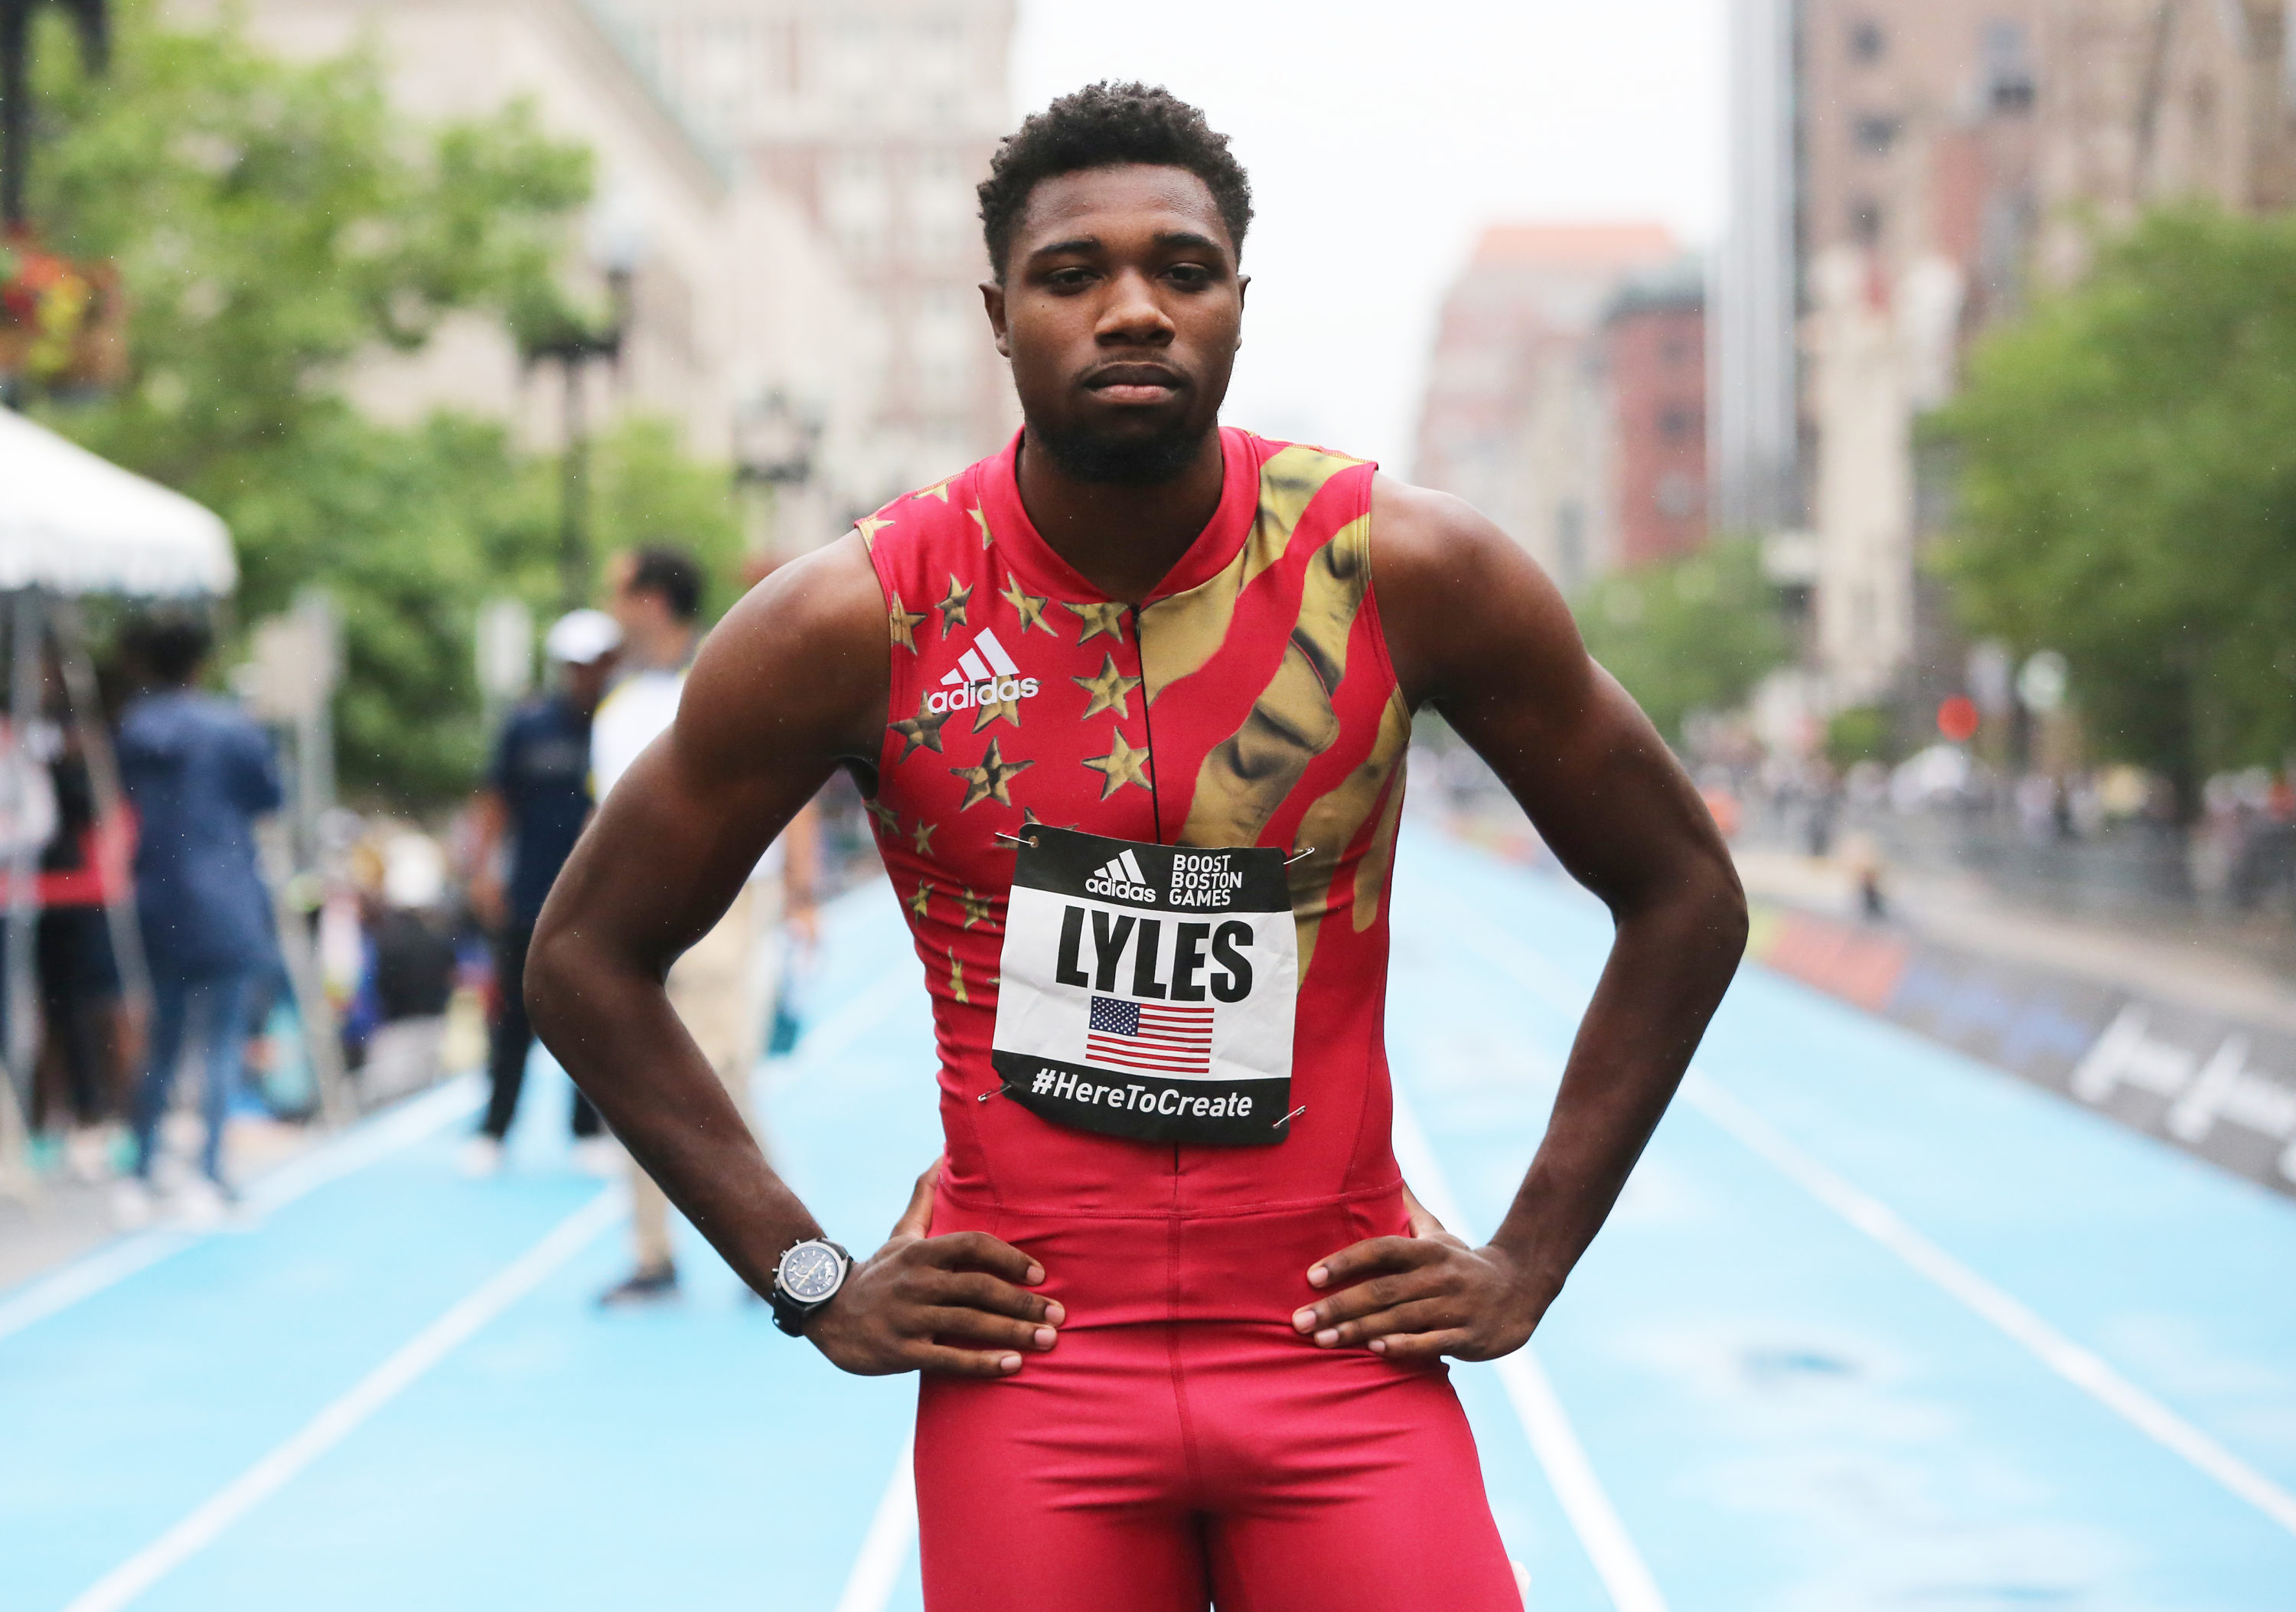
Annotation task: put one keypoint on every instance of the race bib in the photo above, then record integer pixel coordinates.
(1148, 990)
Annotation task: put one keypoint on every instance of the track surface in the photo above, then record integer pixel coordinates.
(1875, 1326)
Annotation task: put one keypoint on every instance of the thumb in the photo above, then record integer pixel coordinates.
(916, 1220)
(1423, 1223)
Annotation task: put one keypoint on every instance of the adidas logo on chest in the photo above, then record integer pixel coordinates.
(985, 674)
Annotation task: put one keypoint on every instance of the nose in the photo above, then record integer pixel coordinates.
(1132, 316)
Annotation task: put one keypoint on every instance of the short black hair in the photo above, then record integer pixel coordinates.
(1104, 124)
(170, 646)
(671, 572)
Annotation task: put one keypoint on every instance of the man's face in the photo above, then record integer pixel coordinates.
(643, 612)
(586, 685)
(1121, 310)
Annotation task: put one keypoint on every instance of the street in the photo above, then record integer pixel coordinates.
(1874, 1326)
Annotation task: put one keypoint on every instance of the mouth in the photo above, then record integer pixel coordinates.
(1134, 383)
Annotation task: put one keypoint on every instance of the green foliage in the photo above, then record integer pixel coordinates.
(272, 222)
(1693, 634)
(1861, 733)
(2129, 495)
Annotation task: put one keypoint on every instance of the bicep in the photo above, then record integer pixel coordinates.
(781, 695)
(1490, 644)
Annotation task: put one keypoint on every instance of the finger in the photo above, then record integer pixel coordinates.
(916, 1220)
(960, 1323)
(1423, 1223)
(962, 1362)
(1370, 1298)
(979, 1251)
(1370, 1258)
(1420, 1346)
(972, 1290)
(1417, 1315)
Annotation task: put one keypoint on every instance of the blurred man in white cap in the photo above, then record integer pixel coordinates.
(538, 793)
(724, 984)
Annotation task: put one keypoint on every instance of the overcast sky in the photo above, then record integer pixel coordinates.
(1381, 137)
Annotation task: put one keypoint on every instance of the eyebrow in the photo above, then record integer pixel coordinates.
(1189, 239)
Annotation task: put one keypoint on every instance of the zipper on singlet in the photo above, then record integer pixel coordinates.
(1148, 727)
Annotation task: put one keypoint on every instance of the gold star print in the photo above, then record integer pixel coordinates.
(1108, 689)
(904, 622)
(938, 490)
(920, 837)
(992, 779)
(922, 728)
(1028, 606)
(981, 520)
(917, 901)
(1120, 766)
(988, 711)
(884, 814)
(976, 908)
(1098, 619)
(952, 608)
(956, 977)
(869, 526)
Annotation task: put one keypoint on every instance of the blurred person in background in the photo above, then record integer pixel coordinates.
(538, 792)
(199, 773)
(82, 1072)
(722, 988)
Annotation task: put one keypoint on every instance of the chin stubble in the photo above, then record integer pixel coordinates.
(1130, 462)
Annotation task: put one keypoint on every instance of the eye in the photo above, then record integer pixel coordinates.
(1194, 276)
(1073, 278)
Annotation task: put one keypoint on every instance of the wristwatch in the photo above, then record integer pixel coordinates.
(807, 1279)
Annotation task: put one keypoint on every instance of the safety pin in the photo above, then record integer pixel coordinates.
(1301, 855)
(1288, 1118)
(1029, 840)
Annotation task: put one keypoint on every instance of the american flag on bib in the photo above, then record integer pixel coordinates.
(1150, 1037)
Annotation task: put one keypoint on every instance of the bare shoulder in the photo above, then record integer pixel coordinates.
(796, 668)
(1466, 611)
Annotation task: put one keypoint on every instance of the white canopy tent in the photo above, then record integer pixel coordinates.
(71, 524)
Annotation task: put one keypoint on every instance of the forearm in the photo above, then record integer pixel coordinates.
(610, 1024)
(1668, 967)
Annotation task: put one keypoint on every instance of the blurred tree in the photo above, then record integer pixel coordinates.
(2129, 492)
(1693, 634)
(274, 221)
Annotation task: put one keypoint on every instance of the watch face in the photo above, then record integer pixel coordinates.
(810, 1272)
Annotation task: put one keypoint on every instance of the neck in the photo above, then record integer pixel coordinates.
(669, 650)
(1123, 540)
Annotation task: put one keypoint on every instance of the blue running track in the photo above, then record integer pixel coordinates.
(1875, 1326)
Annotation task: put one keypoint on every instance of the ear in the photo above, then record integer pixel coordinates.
(992, 298)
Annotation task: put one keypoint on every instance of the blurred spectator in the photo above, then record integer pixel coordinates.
(538, 793)
(82, 1072)
(722, 987)
(199, 773)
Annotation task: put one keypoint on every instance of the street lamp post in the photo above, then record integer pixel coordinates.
(774, 444)
(573, 348)
(92, 19)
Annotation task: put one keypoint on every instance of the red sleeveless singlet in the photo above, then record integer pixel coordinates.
(1249, 702)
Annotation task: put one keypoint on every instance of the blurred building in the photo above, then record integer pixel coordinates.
(1924, 161)
(2146, 103)
(872, 122)
(1655, 373)
(1516, 417)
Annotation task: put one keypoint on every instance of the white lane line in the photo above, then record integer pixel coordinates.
(869, 1587)
(361, 1145)
(2081, 1367)
(1586, 1503)
(208, 1521)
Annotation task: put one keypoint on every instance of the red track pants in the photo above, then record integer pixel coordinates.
(1163, 1464)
